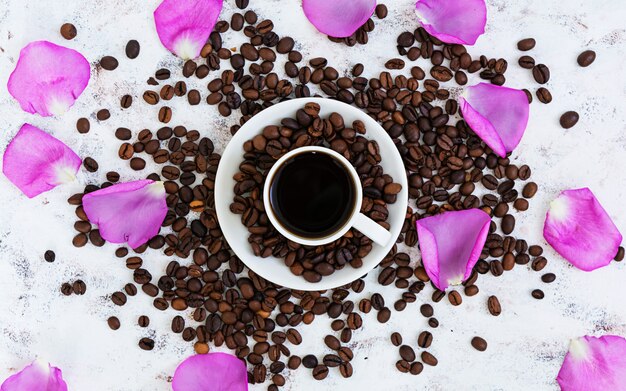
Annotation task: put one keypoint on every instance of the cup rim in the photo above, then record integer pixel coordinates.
(356, 205)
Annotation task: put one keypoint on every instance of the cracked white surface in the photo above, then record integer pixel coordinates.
(526, 343)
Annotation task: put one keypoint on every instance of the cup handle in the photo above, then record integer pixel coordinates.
(371, 229)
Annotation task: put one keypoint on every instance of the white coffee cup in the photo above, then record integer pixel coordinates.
(356, 219)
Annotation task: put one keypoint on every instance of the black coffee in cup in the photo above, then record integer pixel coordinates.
(312, 195)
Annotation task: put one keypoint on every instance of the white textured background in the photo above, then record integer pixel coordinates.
(526, 343)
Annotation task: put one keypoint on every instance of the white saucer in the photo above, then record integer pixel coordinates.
(274, 269)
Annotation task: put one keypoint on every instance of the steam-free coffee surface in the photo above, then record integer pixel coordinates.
(312, 195)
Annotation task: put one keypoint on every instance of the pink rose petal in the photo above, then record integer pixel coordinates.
(129, 212)
(580, 230)
(184, 26)
(453, 21)
(48, 78)
(451, 244)
(38, 376)
(594, 364)
(498, 115)
(36, 162)
(338, 18)
(211, 372)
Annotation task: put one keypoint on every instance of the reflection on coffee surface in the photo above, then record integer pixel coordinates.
(312, 195)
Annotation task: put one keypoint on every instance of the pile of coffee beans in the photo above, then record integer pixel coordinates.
(448, 168)
(309, 129)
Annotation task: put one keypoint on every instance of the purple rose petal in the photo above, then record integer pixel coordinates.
(453, 21)
(579, 229)
(36, 162)
(498, 115)
(38, 376)
(594, 364)
(48, 78)
(451, 244)
(184, 26)
(211, 372)
(129, 212)
(338, 18)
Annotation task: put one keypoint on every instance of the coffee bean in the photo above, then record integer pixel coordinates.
(49, 256)
(90, 164)
(82, 125)
(407, 353)
(132, 49)
(162, 74)
(493, 304)
(242, 4)
(79, 287)
(508, 224)
(123, 134)
(381, 11)
(619, 257)
(126, 101)
(383, 315)
(426, 310)
(143, 321)
(108, 63)
(425, 339)
(130, 289)
(118, 298)
(441, 73)
(165, 114)
(151, 97)
(396, 339)
(113, 322)
(66, 289)
(544, 95)
(146, 343)
(548, 278)
(568, 119)
(526, 44)
(395, 63)
(403, 366)
(68, 31)
(530, 189)
(309, 361)
(103, 115)
(455, 298)
(479, 344)
(193, 97)
(586, 58)
(526, 62)
(320, 372)
(538, 294)
(137, 163)
(429, 359)
(541, 73)
(178, 324)
(79, 240)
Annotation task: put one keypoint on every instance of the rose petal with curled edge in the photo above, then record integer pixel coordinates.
(453, 21)
(129, 212)
(579, 229)
(594, 364)
(211, 372)
(498, 115)
(48, 78)
(451, 243)
(38, 376)
(184, 26)
(36, 162)
(338, 18)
